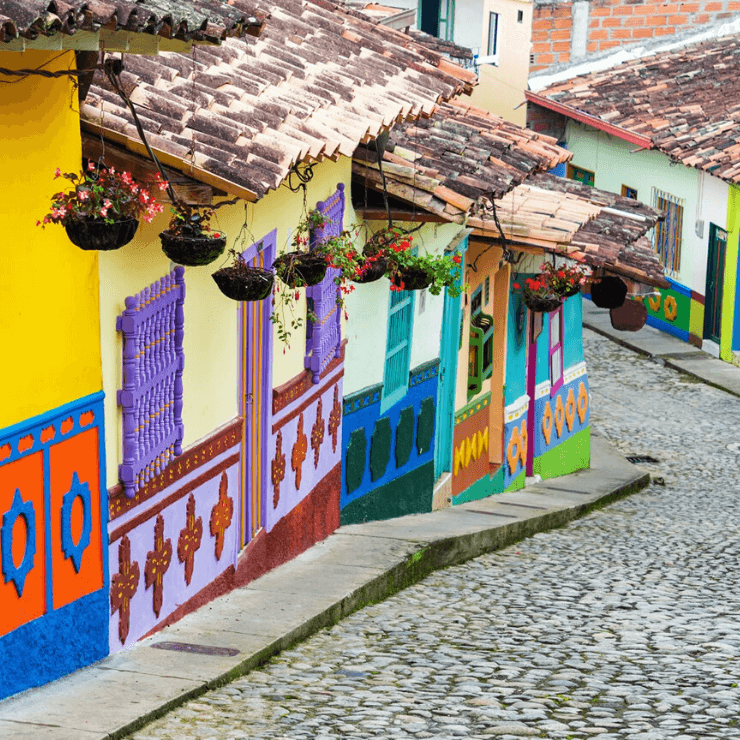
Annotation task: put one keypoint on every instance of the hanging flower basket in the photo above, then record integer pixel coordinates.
(609, 292)
(411, 278)
(299, 269)
(97, 234)
(541, 304)
(630, 316)
(192, 251)
(370, 270)
(575, 290)
(242, 283)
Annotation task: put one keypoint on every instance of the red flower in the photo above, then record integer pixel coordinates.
(457, 259)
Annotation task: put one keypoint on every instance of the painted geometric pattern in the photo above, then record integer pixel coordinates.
(50, 502)
(470, 449)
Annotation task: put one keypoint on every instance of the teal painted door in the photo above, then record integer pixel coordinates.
(448, 352)
(715, 281)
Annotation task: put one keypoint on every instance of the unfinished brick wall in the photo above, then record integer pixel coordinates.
(613, 23)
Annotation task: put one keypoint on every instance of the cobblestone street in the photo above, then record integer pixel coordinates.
(625, 624)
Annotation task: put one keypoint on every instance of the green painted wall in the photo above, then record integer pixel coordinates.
(573, 454)
(518, 482)
(409, 494)
(482, 488)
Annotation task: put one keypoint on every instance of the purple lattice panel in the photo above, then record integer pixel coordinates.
(151, 396)
(324, 336)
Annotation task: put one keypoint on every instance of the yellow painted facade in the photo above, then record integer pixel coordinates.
(48, 287)
(729, 306)
(211, 339)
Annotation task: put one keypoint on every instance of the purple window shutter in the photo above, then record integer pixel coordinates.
(324, 336)
(151, 396)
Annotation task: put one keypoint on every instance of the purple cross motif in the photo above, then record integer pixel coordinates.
(151, 396)
(324, 336)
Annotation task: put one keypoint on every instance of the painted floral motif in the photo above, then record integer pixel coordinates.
(157, 563)
(278, 469)
(559, 416)
(221, 515)
(547, 423)
(317, 434)
(582, 402)
(124, 585)
(189, 541)
(298, 454)
(570, 410)
(335, 419)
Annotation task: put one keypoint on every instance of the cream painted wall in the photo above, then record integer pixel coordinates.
(367, 326)
(210, 343)
(614, 164)
(48, 287)
(501, 87)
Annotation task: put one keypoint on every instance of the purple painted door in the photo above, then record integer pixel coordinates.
(531, 385)
(255, 395)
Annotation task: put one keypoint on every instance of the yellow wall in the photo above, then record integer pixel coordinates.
(48, 287)
(210, 344)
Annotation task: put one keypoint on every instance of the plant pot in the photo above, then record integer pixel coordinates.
(609, 292)
(575, 290)
(101, 236)
(371, 271)
(299, 269)
(630, 316)
(542, 304)
(411, 278)
(192, 251)
(244, 283)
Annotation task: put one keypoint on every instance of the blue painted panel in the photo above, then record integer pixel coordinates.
(667, 327)
(573, 331)
(367, 411)
(541, 444)
(516, 351)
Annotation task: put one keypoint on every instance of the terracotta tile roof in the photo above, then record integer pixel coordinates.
(315, 84)
(686, 102)
(458, 159)
(202, 20)
(614, 237)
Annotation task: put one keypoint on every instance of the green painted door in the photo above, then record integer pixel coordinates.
(715, 281)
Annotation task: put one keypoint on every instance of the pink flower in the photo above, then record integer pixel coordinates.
(57, 173)
(91, 166)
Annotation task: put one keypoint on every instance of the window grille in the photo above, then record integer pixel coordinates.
(556, 350)
(151, 396)
(324, 336)
(667, 234)
(480, 347)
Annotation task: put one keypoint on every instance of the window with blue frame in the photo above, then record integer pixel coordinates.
(556, 350)
(398, 347)
(480, 350)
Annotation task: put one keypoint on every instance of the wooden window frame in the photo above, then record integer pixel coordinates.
(574, 170)
(556, 350)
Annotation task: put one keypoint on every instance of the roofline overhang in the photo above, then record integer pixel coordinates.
(609, 128)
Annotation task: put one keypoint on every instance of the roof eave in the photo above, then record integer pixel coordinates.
(577, 115)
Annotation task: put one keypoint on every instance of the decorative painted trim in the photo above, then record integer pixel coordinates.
(472, 408)
(573, 372)
(190, 460)
(698, 297)
(175, 496)
(542, 389)
(422, 373)
(362, 399)
(308, 401)
(23, 439)
(69, 547)
(518, 408)
(680, 289)
(285, 394)
(11, 572)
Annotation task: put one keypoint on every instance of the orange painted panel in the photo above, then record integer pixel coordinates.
(27, 476)
(79, 455)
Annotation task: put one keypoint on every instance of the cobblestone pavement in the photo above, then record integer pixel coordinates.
(624, 624)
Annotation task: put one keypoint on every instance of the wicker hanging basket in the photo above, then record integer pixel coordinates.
(609, 292)
(97, 234)
(371, 271)
(299, 269)
(630, 316)
(192, 251)
(244, 283)
(411, 278)
(542, 304)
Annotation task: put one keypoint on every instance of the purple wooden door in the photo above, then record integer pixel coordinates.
(255, 395)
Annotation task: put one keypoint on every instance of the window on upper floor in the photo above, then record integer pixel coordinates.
(667, 234)
(447, 19)
(556, 349)
(480, 348)
(628, 192)
(578, 173)
(398, 347)
(492, 46)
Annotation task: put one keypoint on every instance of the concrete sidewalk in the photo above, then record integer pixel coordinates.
(357, 565)
(667, 350)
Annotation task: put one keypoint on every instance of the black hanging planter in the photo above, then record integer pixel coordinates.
(542, 304)
(192, 251)
(244, 283)
(575, 290)
(98, 235)
(299, 269)
(371, 271)
(630, 316)
(609, 292)
(411, 278)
